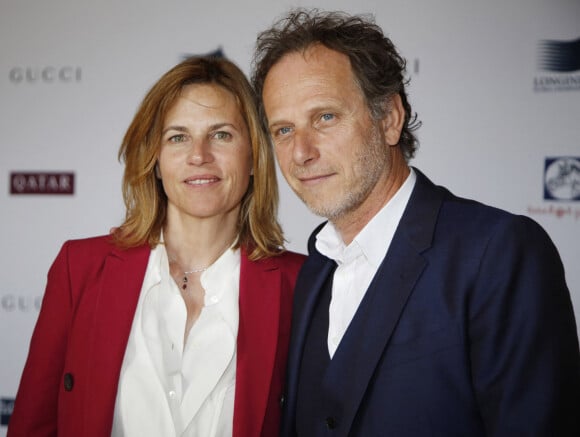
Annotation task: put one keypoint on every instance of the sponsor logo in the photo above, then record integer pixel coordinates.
(6, 408)
(561, 56)
(42, 183)
(561, 186)
(561, 62)
(562, 178)
(557, 83)
(558, 211)
(50, 74)
(16, 303)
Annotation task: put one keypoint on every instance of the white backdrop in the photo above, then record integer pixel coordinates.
(72, 73)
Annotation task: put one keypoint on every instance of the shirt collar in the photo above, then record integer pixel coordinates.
(219, 278)
(216, 280)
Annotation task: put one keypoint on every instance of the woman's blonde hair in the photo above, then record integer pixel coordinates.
(146, 202)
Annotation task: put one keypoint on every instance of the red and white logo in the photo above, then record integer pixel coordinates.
(42, 183)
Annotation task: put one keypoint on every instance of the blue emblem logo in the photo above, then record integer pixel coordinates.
(562, 178)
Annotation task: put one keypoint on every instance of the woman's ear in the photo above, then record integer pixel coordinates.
(157, 171)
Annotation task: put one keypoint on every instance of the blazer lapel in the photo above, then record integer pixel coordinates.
(120, 286)
(366, 340)
(260, 288)
(314, 273)
(364, 343)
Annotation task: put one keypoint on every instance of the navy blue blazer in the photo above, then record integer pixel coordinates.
(467, 329)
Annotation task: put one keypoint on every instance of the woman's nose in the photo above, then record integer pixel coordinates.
(199, 153)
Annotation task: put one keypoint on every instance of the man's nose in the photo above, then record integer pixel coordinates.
(305, 146)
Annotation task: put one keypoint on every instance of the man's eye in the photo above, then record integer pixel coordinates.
(327, 117)
(283, 131)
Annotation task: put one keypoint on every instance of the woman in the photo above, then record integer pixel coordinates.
(177, 323)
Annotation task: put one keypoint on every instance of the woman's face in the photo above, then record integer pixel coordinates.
(205, 160)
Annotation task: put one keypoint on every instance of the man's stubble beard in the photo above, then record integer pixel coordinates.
(370, 165)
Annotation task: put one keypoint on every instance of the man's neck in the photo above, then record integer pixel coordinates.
(351, 223)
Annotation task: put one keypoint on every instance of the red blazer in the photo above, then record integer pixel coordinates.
(69, 384)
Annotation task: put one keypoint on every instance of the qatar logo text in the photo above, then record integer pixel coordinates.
(42, 183)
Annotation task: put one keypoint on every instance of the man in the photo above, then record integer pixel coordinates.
(417, 312)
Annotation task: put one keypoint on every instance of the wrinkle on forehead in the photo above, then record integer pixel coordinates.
(207, 95)
(317, 77)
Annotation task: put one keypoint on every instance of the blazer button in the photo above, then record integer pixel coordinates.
(330, 422)
(69, 382)
(282, 401)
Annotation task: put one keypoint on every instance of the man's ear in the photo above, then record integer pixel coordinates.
(393, 120)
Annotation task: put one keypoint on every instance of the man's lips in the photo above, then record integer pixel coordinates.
(313, 179)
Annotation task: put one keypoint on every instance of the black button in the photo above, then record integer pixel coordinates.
(69, 382)
(330, 422)
(282, 401)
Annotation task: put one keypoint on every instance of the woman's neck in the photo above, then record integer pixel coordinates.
(196, 244)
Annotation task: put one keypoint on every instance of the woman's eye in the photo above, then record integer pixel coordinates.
(222, 135)
(180, 138)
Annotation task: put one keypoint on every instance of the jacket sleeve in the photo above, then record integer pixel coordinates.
(524, 343)
(36, 405)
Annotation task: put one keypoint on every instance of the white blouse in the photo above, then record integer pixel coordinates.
(166, 389)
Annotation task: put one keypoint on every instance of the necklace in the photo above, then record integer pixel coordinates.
(186, 273)
(189, 272)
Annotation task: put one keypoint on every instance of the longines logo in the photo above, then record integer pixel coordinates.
(6, 408)
(562, 56)
(49, 74)
(560, 60)
(16, 303)
(42, 183)
(562, 178)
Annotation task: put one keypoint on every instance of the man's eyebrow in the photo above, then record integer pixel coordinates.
(279, 123)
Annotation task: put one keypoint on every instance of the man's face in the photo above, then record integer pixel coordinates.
(331, 152)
